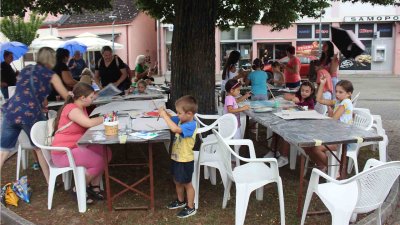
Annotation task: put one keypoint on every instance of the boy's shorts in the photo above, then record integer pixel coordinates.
(182, 171)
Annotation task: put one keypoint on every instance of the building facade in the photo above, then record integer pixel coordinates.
(377, 27)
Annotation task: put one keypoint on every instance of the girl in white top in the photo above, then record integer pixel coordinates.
(343, 111)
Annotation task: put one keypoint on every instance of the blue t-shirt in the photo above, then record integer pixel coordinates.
(258, 79)
(22, 107)
(182, 149)
(80, 65)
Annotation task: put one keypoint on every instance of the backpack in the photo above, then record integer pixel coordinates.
(126, 83)
(50, 130)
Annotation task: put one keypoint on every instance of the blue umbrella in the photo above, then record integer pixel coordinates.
(73, 46)
(17, 48)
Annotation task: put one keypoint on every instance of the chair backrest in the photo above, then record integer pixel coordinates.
(38, 136)
(24, 141)
(225, 152)
(321, 109)
(226, 124)
(52, 114)
(374, 185)
(355, 99)
(362, 119)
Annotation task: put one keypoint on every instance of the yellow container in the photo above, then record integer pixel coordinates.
(111, 128)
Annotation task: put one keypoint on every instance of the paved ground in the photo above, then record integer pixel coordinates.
(382, 96)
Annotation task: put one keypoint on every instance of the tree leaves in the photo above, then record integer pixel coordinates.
(16, 29)
(19, 7)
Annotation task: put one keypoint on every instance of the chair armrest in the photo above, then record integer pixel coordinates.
(316, 173)
(205, 117)
(205, 127)
(371, 163)
(246, 142)
(67, 151)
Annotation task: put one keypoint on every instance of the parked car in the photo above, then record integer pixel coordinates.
(305, 65)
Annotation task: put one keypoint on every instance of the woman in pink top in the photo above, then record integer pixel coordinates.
(71, 123)
(330, 61)
(292, 69)
(328, 87)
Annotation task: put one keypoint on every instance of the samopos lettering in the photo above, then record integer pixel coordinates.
(371, 18)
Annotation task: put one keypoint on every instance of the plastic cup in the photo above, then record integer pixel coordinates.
(58, 98)
(276, 104)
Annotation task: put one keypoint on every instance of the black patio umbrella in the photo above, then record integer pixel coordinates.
(347, 42)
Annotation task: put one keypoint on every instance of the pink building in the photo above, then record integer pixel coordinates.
(135, 30)
(378, 27)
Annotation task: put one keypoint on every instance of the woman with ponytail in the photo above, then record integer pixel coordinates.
(71, 123)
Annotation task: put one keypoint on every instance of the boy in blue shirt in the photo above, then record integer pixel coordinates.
(184, 127)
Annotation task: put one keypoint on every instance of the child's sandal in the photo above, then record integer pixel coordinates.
(95, 194)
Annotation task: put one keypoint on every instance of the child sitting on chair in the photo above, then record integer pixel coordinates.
(182, 167)
(141, 87)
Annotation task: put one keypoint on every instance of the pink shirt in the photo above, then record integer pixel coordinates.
(69, 136)
(328, 85)
(231, 101)
(289, 76)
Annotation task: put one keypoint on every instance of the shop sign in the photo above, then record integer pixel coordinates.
(371, 18)
(361, 62)
(304, 31)
(324, 31)
(307, 48)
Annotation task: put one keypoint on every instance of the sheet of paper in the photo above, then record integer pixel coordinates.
(109, 90)
(128, 106)
(292, 115)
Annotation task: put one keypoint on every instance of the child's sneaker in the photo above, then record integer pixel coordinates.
(36, 166)
(176, 204)
(282, 161)
(186, 212)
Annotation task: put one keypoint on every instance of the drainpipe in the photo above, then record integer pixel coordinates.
(158, 48)
(127, 45)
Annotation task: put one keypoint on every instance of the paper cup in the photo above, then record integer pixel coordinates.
(111, 128)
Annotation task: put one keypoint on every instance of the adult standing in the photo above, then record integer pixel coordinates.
(25, 107)
(330, 62)
(110, 69)
(76, 64)
(8, 75)
(258, 80)
(292, 69)
(229, 71)
(62, 70)
(141, 69)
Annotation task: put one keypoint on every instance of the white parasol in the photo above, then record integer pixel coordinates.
(46, 41)
(94, 42)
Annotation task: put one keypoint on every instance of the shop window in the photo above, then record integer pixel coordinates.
(365, 30)
(225, 51)
(385, 29)
(324, 33)
(244, 33)
(351, 27)
(304, 31)
(228, 35)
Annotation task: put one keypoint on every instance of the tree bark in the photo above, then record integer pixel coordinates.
(193, 53)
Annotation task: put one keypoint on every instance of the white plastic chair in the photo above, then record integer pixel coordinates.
(321, 109)
(381, 146)
(355, 99)
(24, 146)
(253, 175)
(361, 193)
(206, 156)
(363, 120)
(38, 136)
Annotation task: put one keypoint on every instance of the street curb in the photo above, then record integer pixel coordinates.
(11, 218)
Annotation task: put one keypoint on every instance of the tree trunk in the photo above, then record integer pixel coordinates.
(193, 53)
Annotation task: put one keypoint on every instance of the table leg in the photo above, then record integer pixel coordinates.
(151, 177)
(300, 194)
(107, 178)
(343, 164)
